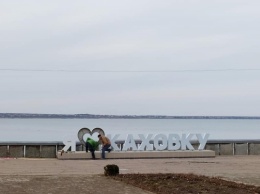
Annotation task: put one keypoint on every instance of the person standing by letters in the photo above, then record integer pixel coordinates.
(105, 144)
(91, 145)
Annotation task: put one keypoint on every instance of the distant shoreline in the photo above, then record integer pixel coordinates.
(92, 116)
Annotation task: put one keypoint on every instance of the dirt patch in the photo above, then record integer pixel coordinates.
(185, 183)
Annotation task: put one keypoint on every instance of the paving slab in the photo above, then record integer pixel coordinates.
(245, 169)
(25, 184)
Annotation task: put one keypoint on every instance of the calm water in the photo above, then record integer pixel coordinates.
(59, 129)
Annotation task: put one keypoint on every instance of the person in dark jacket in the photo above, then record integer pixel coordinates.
(91, 145)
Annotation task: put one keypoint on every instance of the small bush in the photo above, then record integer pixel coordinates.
(111, 170)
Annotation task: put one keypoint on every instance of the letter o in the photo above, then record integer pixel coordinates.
(156, 140)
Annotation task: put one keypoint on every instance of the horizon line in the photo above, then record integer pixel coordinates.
(72, 114)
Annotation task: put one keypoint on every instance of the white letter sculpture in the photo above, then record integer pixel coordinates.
(112, 140)
(202, 140)
(185, 142)
(145, 142)
(129, 143)
(163, 138)
(174, 139)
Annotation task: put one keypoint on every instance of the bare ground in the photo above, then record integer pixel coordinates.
(185, 183)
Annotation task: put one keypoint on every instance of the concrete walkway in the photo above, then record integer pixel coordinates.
(86, 175)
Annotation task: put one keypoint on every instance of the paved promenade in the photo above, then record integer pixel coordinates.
(69, 176)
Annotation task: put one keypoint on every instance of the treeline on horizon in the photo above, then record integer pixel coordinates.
(92, 116)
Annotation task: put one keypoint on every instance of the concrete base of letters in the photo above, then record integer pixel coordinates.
(137, 154)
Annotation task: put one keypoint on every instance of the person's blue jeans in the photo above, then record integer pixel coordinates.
(105, 148)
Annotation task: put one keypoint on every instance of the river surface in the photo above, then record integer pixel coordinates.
(61, 129)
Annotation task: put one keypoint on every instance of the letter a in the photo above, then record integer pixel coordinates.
(129, 143)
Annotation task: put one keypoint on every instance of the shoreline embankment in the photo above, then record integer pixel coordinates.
(50, 149)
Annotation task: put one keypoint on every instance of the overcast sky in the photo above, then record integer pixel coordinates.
(140, 57)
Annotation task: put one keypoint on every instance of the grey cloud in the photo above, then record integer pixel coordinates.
(127, 35)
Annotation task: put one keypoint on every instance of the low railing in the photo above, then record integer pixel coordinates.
(50, 149)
